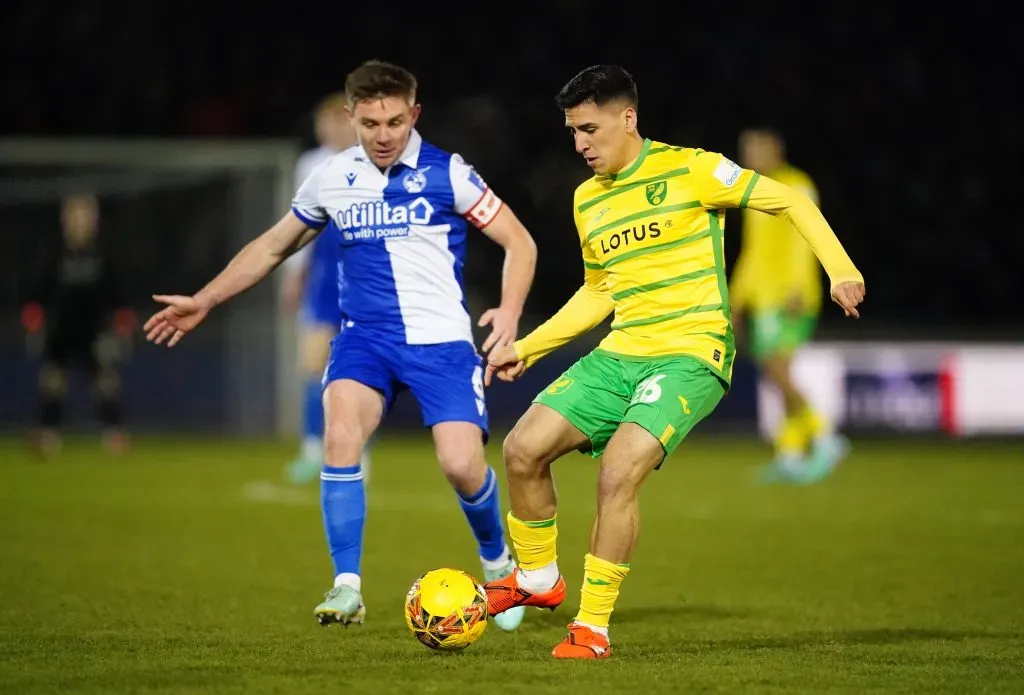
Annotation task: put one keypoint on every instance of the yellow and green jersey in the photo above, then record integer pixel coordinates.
(653, 252)
(653, 234)
(775, 265)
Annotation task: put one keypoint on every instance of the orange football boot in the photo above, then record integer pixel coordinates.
(582, 643)
(506, 593)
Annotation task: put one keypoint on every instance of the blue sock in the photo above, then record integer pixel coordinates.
(483, 512)
(343, 500)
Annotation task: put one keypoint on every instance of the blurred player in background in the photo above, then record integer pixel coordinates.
(310, 287)
(777, 288)
(404, 209)
(71, 307)
(650, 224)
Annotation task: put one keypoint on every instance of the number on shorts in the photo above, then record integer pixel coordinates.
(478, 382)
(648, 391)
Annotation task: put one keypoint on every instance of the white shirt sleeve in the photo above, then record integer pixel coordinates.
(306, 203)
(474, 199)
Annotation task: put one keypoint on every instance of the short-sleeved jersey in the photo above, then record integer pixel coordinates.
(307, 162)
(776, 264)
(402, 238)
(321, 256)
(652, 235)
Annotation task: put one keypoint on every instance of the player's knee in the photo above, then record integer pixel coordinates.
(343, 444)
(466, 470)
(617, 480)
(522, 459)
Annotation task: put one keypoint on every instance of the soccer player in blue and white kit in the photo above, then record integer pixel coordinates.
(403, 208)
(311, 287)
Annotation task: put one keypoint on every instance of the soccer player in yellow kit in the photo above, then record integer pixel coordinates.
(777, 284)
(650, 229)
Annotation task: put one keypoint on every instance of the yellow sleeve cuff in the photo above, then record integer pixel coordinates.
(584, 310)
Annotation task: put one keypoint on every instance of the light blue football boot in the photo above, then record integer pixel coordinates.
(827, 453)
(302, 470)
(510, 619)
(784, 469)
(342, 604)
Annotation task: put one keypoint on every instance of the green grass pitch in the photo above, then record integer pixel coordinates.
(189, 567)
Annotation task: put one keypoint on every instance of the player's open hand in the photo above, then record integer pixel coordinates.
(849, 295)
(171, 323)
(504, 326)
(504, 362)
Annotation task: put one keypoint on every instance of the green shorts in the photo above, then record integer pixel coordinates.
(666, 396)
(778, 332)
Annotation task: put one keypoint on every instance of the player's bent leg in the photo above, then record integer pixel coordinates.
(632, 454)
(460, 453)
(580, 409)
(671, 396)
(806, 449)
(541, 436)
(352, 413)
(788, 464)
(776, 367)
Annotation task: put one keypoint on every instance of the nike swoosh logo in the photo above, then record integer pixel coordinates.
(597, 582)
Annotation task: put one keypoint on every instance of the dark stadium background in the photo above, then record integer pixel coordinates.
(190, 566)
(909, 121)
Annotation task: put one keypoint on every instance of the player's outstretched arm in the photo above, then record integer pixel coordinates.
(774, 198)
(724, 184)
(254, 262)
(520, 264)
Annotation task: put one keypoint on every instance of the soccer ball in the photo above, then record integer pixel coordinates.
(446, 609)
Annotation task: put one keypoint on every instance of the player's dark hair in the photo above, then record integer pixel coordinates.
(375, 78)
(599, 84)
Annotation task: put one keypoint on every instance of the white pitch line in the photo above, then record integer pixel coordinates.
(267, 492)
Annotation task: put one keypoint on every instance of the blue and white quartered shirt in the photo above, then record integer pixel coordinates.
(403, 238)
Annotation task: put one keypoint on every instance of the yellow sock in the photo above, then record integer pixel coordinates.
(534, 541)
(601, 581)
(792, 438)
(813, 424)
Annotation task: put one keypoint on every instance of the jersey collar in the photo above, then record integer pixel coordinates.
(410, 155)
(634, 165)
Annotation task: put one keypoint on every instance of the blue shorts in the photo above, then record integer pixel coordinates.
(446, 379)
